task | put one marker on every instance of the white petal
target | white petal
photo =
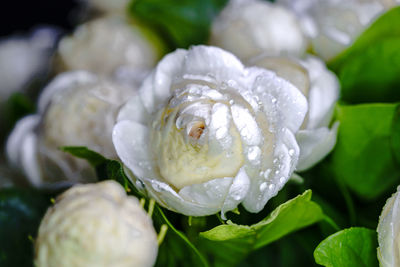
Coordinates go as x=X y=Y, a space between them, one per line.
x=131 y=141
x=211 y=193
x=156 y=88
x=265 y=185
x=213 y=61
x=315 y=145
x=29 y=159
x=23 y=127
x=282 y=100
x=134 y=110
x=166 y=196
x=324 y=93
x=63 y=81
x=388 y=230
x=237 y=191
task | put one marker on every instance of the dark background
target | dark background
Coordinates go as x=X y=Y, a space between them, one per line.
x=18 y=16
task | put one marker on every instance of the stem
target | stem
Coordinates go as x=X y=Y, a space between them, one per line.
x=161 y=234
x=142 y=202
x=151 y=207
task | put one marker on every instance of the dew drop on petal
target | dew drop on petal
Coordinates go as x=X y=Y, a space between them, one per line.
x=271 y=187
x=266 y=173
x=263 y=186
x=291 y=152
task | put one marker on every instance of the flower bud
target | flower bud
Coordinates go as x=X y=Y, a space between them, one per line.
x=96 y=225
x=388 y=232
x=103 y=45
x=204 y=133
x=250 y=28
x=75 y=109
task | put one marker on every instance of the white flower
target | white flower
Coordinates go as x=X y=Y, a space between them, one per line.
x=115 y=6
x=388 y=232
x=248 y=28
x=96 y=225
x=333 y=25
x=103 y=45
x=321 y=87
x=24 y=58
x=205 y=134
x=75 y=109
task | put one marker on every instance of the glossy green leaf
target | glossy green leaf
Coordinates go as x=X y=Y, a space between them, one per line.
x=369 y=70
x=181 y=22
x=236 y=241
x=82 y=152
x=362 y=158
x=353 y=247
x=395 y=135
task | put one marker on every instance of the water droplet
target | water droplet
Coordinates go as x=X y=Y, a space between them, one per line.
x=263 y=186
x=254 y=153
x=231 y=102
x=282 y=179
x=277 y=172
x=291 y=152
x=274 y=100
x=275 y=161
x=266 y=173
x=271 y=187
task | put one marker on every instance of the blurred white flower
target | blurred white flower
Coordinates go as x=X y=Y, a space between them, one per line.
x=205 y=134
x=321 y=87
x=248 y=28
x=96 y=225
x=333 y=25
x=25 y=58
x=107 y=6
x=103 y=45
x=75 y=109
x=388 y=232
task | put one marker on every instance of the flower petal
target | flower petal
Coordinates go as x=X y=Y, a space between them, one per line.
x=131 y=140
x=265 y=185
x=315 y=145
x=63 y=81
x=282 y=100
x=324 y=93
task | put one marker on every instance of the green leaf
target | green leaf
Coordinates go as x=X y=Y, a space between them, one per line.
x=177 y=244
x=20 y=214
x=348 y=248
x=395 y=135
x=181 y=22
x=362 y=158
x=234 y=241
x=369 y=70
x=82 y=152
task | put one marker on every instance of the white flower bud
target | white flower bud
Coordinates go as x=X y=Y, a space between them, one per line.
x=333 y=25
x=389 y=232
x=103 y=45
x=205 y=134
x=321 y=87
x=75 y=109
x=96 y=225
x=248 y=28
x=24 y=58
